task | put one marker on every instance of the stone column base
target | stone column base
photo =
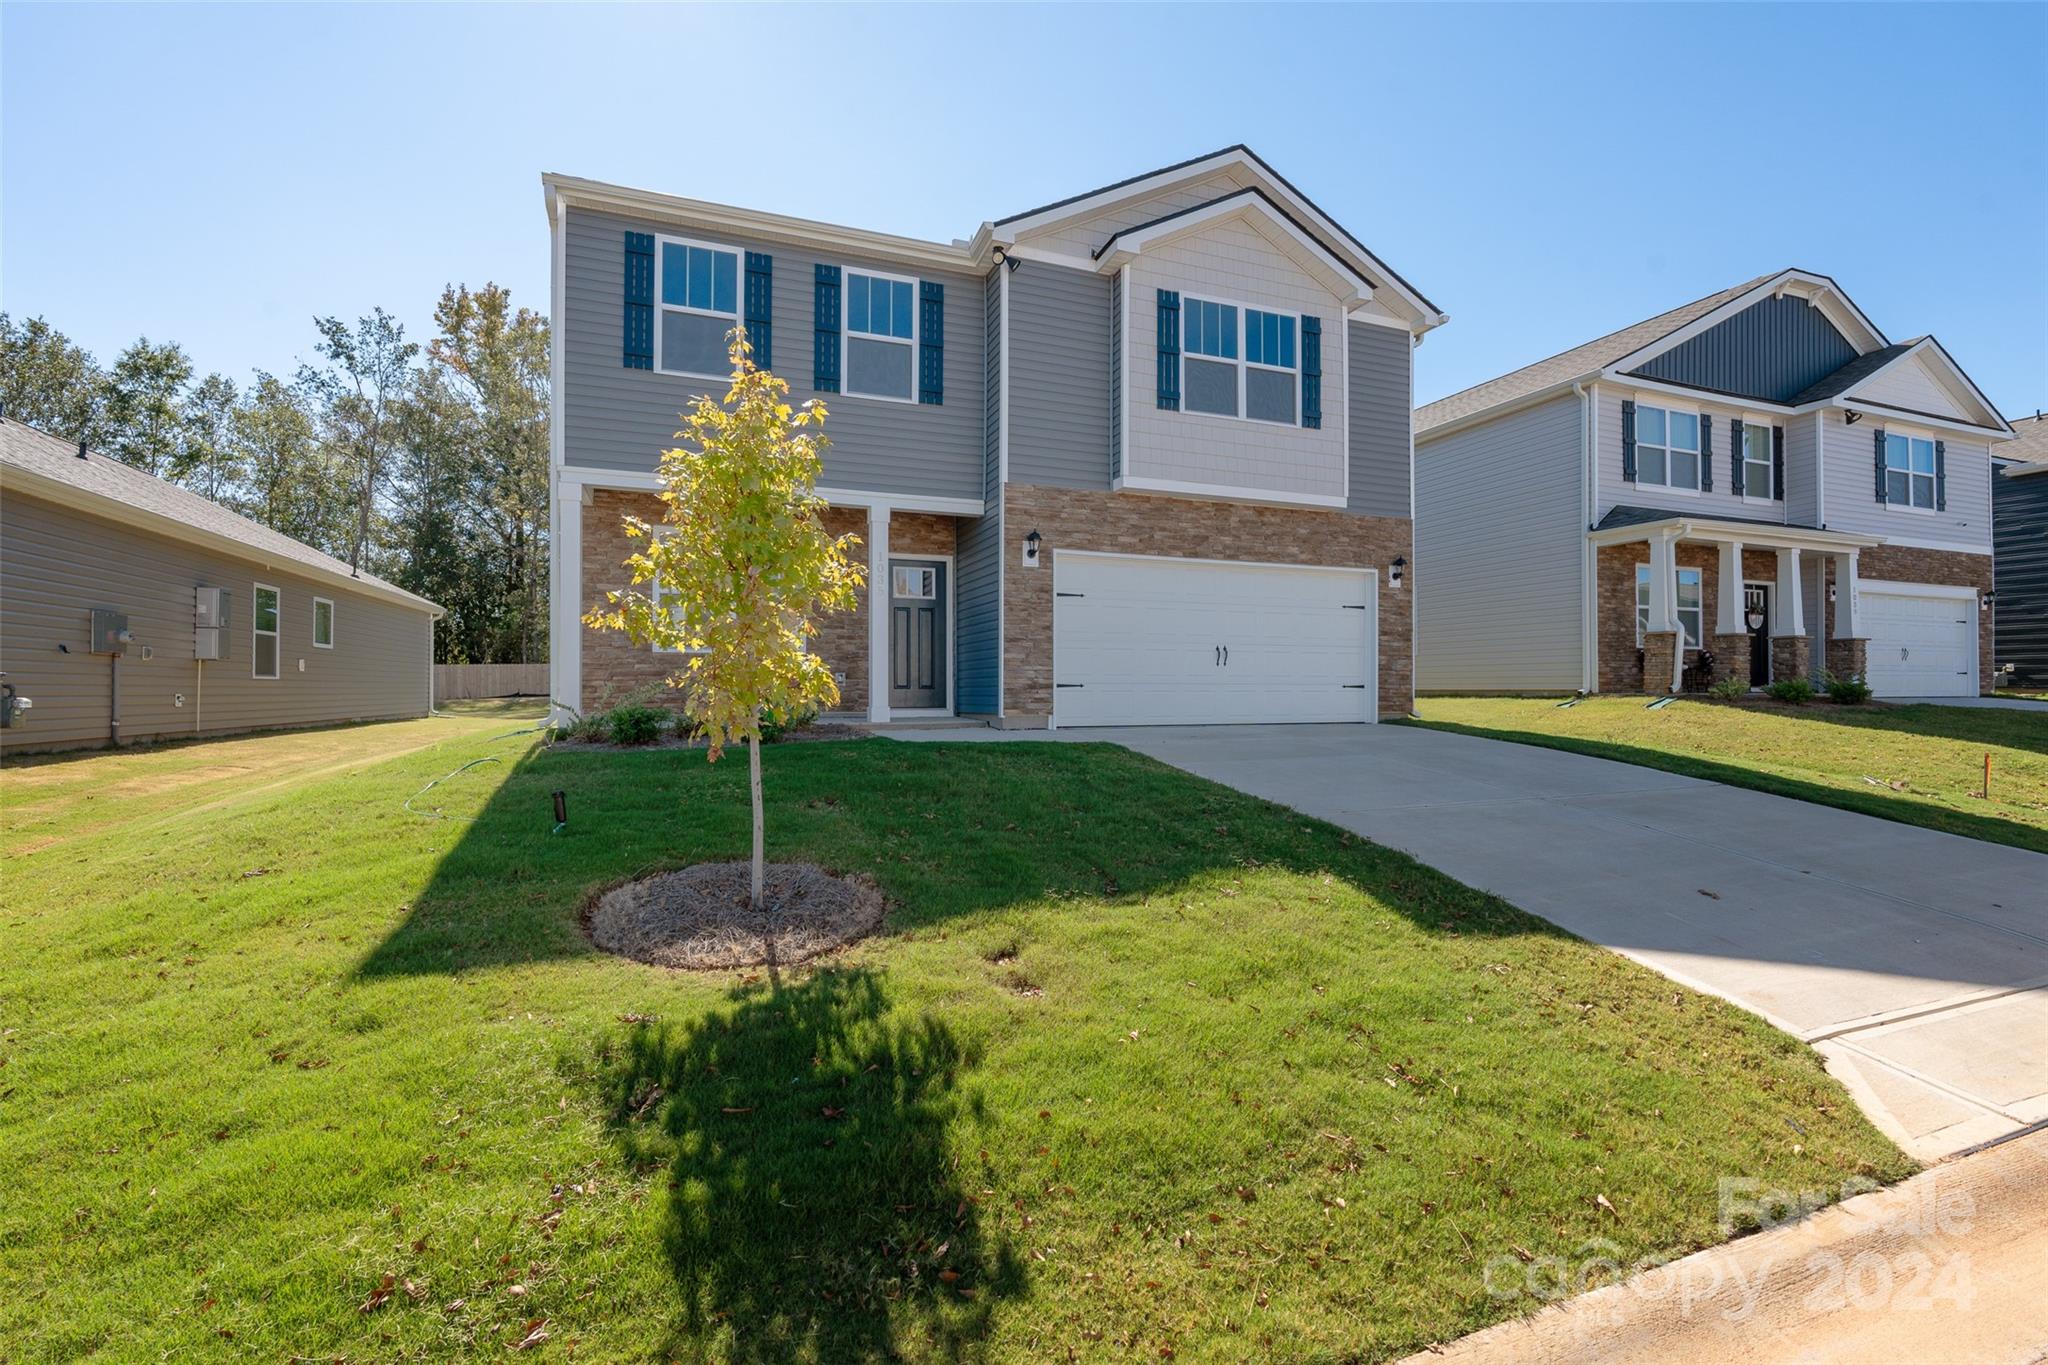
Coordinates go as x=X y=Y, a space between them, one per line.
x=1731 y=657
x=1849 y=658
x=1791 y=657
x=1659 y=649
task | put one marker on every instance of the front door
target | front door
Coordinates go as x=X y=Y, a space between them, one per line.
x=917 y=634
x=1756 y=619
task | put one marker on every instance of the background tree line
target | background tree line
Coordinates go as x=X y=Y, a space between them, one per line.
x=427 y=466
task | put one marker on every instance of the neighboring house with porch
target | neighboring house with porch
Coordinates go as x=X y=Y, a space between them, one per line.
x=1138 y=456
x=2019 y=507
x=1758 y=485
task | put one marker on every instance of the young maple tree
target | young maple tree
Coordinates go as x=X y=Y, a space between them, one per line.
x=739 y=566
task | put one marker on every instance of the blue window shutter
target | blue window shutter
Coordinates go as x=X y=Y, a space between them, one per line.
x=1706 y=453
x=1735 y=471
x=1628 y=440
x=1941 y=476
x=1877 y=438
x=760 y=308
x=639 y=320
x=931 y=342
x=1778 y=463
x=825 y=355
x=1312 y=372
x=1169 y=350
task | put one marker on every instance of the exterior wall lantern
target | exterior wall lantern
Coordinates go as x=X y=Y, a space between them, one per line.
x=1394 y=570
x=1031 y=544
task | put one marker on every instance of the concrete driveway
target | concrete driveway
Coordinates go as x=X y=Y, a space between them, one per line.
x=1916 y=962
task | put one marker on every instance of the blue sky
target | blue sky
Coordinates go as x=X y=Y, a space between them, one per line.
x=1544 y=173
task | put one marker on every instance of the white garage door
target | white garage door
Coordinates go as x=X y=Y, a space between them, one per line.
x=1920 y=646
x=1153 y=641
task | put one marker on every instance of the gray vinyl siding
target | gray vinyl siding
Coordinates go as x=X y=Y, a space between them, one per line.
x=621 y=419
x=1500 y=554
x=59 y=563
x=1059 y=337
x=1116 y=374
x=1379 y=399
x=977 y=636
x=1722 y=501
x=1802 y=466
x=1770 y=350
x=2021 y=576
x=1849 y=485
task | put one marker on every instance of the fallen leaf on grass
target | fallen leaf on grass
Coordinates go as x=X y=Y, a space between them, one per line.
x=1601 y=1200
x=378 y=1295
x=536 y=1333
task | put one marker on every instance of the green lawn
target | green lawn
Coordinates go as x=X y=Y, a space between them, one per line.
x=1140 y=1067
x=1923 y=765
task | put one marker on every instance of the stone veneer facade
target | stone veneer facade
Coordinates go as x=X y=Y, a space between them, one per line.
x=1146 y=524
x=1615 y=605
x=615 y=668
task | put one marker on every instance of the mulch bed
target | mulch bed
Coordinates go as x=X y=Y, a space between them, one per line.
x=671 y=740
x=699 y=918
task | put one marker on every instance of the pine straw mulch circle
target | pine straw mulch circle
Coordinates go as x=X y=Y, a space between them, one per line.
x=699 y=917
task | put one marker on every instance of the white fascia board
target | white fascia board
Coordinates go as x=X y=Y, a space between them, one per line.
x=1885 y=412
x=1750 y=533
x=1352 y=289
x=752 y=223
x=19 y=481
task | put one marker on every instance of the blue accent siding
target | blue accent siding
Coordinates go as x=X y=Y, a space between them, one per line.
x=1770 y=350
x=977 y=640
x=1312 y=372
x=825 y=325
x=760 y=312
x=1169 y=350
x=639 y=301
x=2019 y=515
x=931 y=342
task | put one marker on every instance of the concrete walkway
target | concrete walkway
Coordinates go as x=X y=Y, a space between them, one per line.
x=1987 y=703
x=1916 y=962
x=1950 y=1266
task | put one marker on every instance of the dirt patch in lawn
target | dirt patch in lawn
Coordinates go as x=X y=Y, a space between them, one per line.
x=700 y=919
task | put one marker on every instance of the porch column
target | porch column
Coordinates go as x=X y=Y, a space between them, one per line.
x=1846 y=612
x=1728 y=604
x=1791 y=648
x=1663 y=584
x=878 y=613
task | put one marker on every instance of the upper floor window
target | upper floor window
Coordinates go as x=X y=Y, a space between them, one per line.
x=1239 y=361
x=1756 y=460
x=698 y=289
x=881 y=336
x=1908 y=471
x=1667 y=447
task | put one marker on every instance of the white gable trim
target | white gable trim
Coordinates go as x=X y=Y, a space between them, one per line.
x=1818 y=290
x=1352 y=289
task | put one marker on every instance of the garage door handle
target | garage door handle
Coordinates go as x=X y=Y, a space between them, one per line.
x=1226 y=656
x=1070 y=684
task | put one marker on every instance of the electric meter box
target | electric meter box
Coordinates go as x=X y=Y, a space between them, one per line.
x=209 y=623
x=109 y=631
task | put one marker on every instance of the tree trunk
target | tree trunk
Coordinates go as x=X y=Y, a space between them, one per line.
x=754 y=782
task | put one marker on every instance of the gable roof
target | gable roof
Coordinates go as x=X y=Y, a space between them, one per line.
x=1577 y=363
x=1252 y=202
x=1299 y=208
x=2032 y=443
x=33 y=461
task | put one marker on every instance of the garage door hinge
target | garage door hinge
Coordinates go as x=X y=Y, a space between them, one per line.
x=1070 y=594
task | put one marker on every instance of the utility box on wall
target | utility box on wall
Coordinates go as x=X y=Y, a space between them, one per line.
x=109 y=631
x=209 y=623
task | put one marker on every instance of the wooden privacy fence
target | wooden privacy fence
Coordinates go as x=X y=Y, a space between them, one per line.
x=458 y=682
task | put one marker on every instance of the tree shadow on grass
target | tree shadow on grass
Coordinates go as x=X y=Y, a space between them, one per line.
x=2013 y=729
x=814 y=1209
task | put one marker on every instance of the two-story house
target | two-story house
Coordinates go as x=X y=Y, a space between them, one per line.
x=1761 y=476
x=1141 y=456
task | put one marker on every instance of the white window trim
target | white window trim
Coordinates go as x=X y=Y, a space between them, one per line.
x=1243 y=364
x=739 y=289
x=847 y=334
x=1933 y=477
x=319 y=602
x=1667 y=408
x=277 y=658
x=1750 y=421
x=1677 y=612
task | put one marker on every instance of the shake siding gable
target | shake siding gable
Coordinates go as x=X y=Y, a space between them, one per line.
x=58 y=563
x=1082 y=237
x=1907 y=384
x=1499 y=553
x=620 y=419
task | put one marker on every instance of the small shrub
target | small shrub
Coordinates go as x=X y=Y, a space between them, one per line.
x=582 y=729
x=1847 y=691
x=776 y=725
x=1791 y=691
x=633 y=724
x=1729 y=689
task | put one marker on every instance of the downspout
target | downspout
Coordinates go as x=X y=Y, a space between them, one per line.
x=1588 y=562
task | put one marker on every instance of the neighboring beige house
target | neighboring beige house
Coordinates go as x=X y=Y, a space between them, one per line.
x=132 y=609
